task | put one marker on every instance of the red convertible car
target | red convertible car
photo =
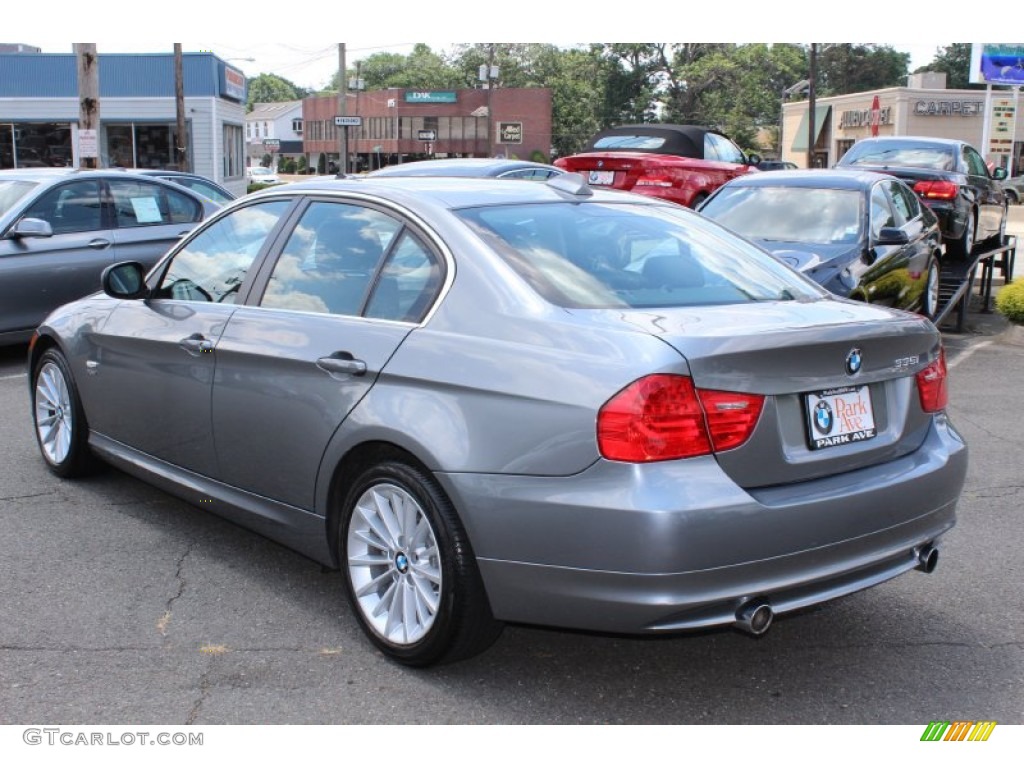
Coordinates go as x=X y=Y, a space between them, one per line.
x=681 y=163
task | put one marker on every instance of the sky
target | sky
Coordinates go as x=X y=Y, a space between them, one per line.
x=296 y=45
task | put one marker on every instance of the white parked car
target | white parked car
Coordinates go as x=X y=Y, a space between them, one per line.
x=260 y=175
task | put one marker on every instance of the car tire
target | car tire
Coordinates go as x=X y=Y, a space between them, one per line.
x=60 y=426
x=410 y=573
x=961 y=247
x=930 y=298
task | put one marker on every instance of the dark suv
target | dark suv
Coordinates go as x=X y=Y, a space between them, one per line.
x=950 y=177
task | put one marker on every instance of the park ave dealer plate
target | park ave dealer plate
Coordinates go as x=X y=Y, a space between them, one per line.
x=839 y=417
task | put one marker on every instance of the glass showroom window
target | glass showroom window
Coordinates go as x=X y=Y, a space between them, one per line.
x=35 y=145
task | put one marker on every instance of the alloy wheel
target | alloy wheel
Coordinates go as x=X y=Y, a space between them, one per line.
x=53 y=413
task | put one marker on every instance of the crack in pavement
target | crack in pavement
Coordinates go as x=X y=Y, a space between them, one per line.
x=204 y=689
x=164 y=621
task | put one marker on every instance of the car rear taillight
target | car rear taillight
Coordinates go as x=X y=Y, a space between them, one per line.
x=931 y=385
x=664 y=416
x=937 y=190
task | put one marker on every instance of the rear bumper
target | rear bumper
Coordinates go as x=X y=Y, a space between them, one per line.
x=676 y=545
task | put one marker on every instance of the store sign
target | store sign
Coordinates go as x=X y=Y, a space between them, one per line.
x=430 y=97
x=426 y=135
x=997 y=63
x=1004 y=126
x=272 y=145
x=234 y=83
x=510 y=133
x=963 y=108
x=861 y=118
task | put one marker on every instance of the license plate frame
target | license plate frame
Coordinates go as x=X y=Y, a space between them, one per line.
x=601 y=178
x=839 y=416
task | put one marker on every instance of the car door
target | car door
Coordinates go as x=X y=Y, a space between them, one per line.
x=988 y=193
x=149 y=218
x=154 y=359
x=320 y=328
x=887 y=279
x=41 y=273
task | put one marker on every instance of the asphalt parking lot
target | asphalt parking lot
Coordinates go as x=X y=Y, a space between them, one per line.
x=121 y=604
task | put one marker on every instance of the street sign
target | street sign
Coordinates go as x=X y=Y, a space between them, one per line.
x=347 y=120
x=426 y=135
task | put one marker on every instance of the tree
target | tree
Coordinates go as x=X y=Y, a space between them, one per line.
x=422 y=69
x=269 y=88
x=955 y=61
x=857 y=67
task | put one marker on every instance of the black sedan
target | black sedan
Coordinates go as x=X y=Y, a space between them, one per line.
x=950 y=177
x=859 y=234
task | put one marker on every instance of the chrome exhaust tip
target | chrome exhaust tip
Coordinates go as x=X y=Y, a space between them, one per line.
x=927 y=558
x=754 y=617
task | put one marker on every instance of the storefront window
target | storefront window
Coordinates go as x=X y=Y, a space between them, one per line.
x=140 y=145
x=234 y=152
x=35 y=145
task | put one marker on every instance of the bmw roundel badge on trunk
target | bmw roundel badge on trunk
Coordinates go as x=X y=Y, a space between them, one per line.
x=854 y=362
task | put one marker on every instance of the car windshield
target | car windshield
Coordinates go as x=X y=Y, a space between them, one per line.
x=900 y=155
x=600 y=255
x=789 y=214
x=12 y=191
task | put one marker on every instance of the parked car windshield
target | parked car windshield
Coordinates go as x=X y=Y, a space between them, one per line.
x=614 y=255
x=901 y=155
x=11 y=192
x=789 y=214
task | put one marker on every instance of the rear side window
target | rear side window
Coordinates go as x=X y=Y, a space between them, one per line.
x=601 y=255
x=141 y=204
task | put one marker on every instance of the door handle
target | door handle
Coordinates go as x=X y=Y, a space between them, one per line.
x=196 y=344
x=341 y=362
x=99 y=243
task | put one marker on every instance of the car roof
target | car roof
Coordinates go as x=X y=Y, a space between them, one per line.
x=818 y=178
x=686 y=140
x=914 y=141
x=421 y=192
x=467 y=166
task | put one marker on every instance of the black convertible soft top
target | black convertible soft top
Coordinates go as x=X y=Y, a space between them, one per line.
x=683 y=140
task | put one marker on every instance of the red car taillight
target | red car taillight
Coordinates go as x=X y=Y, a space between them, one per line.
x=663 y=417
x=931 y=385
x=937 y=190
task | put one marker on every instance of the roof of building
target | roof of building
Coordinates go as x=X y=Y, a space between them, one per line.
x=271 y=110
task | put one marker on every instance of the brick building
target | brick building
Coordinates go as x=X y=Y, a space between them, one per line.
x=399 y=125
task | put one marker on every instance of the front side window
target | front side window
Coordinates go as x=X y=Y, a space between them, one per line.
x=214 y=264
x=141 y=204
x=74 y=207
x=975 y=164
x=724 y=150
x=881 y=212
x=601 y=255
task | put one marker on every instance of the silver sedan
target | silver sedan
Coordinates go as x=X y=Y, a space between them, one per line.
x=487 y=402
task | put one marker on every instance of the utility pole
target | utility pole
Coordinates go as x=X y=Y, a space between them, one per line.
x=179 y=102
x=811 y=116
x=342 y=95
x=490 y=113
x=88 y=65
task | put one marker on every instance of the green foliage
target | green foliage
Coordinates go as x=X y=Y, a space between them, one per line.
x=1010 y=301
x=857 y=67
x=269 y=88
x=955 y=61
x=290 y=166
x=300 y=165
x=321 y=165
x=538 y=157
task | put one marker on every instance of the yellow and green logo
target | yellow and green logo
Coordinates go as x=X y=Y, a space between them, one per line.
x=958 y=730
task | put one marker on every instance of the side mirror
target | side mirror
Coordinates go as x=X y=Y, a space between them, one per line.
x=126 y=280
x=999 y=174
x=31 y=228
x=892 y=236
x=753 y=159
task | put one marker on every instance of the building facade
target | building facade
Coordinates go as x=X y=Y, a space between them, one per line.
x=924 y=108
x=39 y=113
x=275 y=129
x=400 y=124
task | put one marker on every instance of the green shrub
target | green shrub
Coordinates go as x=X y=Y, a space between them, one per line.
x=1010 y=301
x=539 y=157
